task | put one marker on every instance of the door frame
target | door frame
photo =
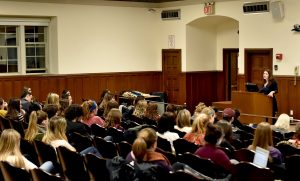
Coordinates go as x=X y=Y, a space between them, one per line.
x=227 y=70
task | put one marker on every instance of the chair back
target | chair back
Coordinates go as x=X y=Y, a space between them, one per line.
x=4 y=123
x=227 y=151
x=278 y=134
x=27 y=149
x=171 y=157
x=79 y=141
x=17 y=125
x=164 y=144
x=287 y=150
x=106 y=148
x=98 y=130
x=247 y=171
x=292 y=164
x=203 y=165
x=40 y=175
x=124 y=148
x=237 y=143
x=117 y=135
x=185 y=175
x=72 y=164
x=11 y=173
x=45 y=152
x=244 y=154
x=181 y=146
x=96 y=167
x=289 y=135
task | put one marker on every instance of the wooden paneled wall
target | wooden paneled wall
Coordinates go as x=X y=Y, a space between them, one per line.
x=206 y=86
x=81 y=86
x=195 y=87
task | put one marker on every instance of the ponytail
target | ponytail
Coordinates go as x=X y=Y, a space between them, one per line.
x=139 y=149
x=32 y=130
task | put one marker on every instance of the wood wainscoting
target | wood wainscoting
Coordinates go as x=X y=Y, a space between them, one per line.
x=205 y=86
x=195 y=87
x=81 y=86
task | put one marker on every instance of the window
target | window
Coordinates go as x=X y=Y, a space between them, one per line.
x=35 y=49
x=23 y=47
x=8 y=49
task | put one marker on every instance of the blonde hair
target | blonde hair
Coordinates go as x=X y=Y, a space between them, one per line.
x=200 y=123
x=283 y=122
x=183 y=118
x=199 y=107
x=140 y=108
x=113 y=118
x=36 y=118
x=10 y=145
x=88 y=108
x=56 y=130
x=145 y=140
x=52 y=98
x=262 y=136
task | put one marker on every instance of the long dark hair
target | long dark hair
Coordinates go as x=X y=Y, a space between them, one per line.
x=271 y=78
x=13 y=109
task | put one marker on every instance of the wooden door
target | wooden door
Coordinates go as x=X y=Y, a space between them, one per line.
x=230 y=67
x=256 y=61
x=171 y=67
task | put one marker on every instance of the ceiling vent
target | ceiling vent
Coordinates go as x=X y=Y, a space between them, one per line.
x=256 y=7
x=170 y=14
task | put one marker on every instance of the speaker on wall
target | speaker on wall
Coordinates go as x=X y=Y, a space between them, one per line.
x=277 y=10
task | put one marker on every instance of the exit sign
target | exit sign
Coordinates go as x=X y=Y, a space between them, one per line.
x=209 y=8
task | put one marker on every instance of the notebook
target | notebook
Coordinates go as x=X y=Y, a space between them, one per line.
x=261 y=157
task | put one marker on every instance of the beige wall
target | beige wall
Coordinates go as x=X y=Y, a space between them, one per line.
x=87 y=39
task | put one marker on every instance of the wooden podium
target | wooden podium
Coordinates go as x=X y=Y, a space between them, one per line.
x=257 y=105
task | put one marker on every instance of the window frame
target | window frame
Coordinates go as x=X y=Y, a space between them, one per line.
x=21 y=47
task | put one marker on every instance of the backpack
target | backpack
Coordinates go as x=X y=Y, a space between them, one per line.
x=122 y=170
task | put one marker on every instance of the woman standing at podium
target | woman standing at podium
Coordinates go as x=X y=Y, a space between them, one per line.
x=270 y=88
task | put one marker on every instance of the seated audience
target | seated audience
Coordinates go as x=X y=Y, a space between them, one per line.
x=139 y=111
x=14 y=111
x=282 y=124
x=51 y=110
x=11 y=153
x=197 y=133
x=107 y=97
x=210 y=112
x=26 y=100
x=183 y=121
x=113 y=119
x=111 y=104
x=263 y=138
x=198 y=109
x=52 y=98
x=236 y=120
x=3 y=107
x=228 y=115
x=151 y=113
x=213 y=135
x=227 y=134
x=56 y=137
x=143 y=149
x=295 y=141
x=38 y=122
x=66 y=95
x=164 y=127
x=90 y=117
x=73 y=115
